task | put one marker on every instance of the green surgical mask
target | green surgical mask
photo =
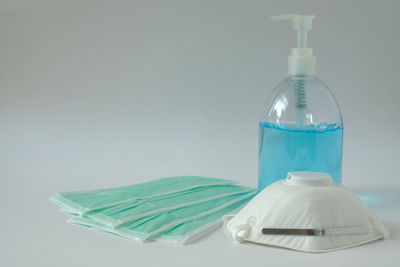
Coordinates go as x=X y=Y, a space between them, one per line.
x=148 y=228
x=193 y=230
x=82 y=202
x=123 y=214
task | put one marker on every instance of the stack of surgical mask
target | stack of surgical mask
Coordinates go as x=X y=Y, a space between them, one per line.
x=175 y=210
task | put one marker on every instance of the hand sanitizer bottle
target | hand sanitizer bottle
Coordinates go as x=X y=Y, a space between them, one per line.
x=301 y=129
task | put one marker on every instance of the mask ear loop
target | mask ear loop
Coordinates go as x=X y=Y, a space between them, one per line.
x=241 y=232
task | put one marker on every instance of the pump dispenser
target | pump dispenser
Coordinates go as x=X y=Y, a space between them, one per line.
x=301 y=59
x=301 y=128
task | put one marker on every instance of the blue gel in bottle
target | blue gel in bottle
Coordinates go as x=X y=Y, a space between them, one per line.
x=284 y=149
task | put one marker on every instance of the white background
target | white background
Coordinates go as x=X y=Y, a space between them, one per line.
x=97 y=94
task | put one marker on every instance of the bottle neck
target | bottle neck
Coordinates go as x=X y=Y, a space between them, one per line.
x=301 y=62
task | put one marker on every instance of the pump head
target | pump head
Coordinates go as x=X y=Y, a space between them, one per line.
x=301 y=60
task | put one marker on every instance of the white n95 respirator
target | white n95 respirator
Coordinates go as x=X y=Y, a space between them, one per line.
x=308 y=212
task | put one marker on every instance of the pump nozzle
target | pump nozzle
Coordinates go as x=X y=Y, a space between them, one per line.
x=301 y=60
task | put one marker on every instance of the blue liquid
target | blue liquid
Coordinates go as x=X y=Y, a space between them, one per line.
x=286 y=149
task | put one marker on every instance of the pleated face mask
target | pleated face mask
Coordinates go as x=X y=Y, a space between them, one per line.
x=120 y=215
x=82 y=202
x=306 y=212
x=177 y=225
x=190 y=231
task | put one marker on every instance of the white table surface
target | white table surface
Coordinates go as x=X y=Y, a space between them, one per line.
x=35 y=233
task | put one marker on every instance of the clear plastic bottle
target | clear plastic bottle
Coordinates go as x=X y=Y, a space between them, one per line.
x=301 y=128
